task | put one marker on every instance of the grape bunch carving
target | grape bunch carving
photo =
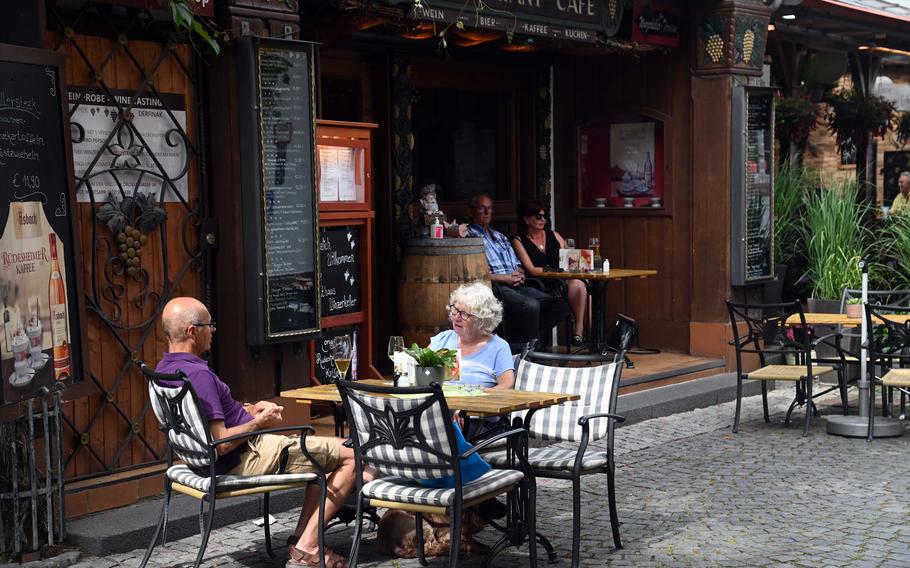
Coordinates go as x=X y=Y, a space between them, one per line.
x=130 y=220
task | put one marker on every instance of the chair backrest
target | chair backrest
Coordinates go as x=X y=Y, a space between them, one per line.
x=888 y=339
x=598 y=387
x=877 y=297
x=409 y=437
x=180 y=415
x=762 y=329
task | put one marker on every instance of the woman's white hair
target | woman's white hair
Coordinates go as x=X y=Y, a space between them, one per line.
x=479 y=300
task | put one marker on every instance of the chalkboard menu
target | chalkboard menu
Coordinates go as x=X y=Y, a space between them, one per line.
x=41 y=338
x=339 y=259
x=753 y=185
x=325 y=365
x=278 y=188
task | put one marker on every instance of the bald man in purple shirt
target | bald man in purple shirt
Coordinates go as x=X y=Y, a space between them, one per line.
x=189 y=329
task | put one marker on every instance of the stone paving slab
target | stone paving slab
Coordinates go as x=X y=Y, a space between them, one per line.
x=690 y=493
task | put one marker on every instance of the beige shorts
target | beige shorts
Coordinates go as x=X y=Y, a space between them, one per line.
x=263 y=455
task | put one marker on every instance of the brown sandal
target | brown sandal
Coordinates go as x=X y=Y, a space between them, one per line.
x=300 y=558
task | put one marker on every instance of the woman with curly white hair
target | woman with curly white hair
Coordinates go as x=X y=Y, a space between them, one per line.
x=485 y=357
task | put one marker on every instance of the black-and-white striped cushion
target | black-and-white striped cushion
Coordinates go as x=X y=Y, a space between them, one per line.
x=560 y=422
x=403 y=490
x=428 y=426
x=186 y=448
x=185 y=476
x=555 y=459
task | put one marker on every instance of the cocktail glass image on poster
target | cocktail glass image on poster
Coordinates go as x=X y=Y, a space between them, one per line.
x=35 y=342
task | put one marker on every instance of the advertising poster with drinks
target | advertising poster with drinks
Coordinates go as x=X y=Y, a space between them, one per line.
x=40 y=333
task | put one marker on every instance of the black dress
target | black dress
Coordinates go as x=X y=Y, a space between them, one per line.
x=548 y=258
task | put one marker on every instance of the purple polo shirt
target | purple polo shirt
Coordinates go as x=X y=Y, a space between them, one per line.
x=214 y=398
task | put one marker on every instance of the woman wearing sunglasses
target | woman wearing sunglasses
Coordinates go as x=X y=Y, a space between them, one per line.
x=537 y=247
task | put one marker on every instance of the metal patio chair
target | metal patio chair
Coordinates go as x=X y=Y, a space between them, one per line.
x=762 y=331
x=412 y=439
x=590 y=419
x=188 y=439
x=889 y=348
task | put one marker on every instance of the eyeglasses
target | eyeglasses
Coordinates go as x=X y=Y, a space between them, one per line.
x=211 y=325
x=456 y=313
x=540 y=216
x=483 y=207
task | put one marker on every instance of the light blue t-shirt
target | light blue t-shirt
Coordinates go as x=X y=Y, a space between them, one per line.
x=483 y=366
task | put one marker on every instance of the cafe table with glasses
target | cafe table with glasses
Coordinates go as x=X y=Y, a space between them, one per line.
x=474 y=402
x=596 y=282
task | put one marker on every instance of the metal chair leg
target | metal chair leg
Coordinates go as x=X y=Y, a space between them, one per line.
x=265 y=525
x=764 y=401
x=842 y=384
x=552 y=556
x=809 y=407
x=739 y=402
x=531 y=513
x=421 y=556
x=614 y=515
x=162 y=520
x=358 y=530
x=576 y=522
x=455 y=546
x=206 y=533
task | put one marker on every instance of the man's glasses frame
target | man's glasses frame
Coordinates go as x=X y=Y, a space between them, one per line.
x=212 y=325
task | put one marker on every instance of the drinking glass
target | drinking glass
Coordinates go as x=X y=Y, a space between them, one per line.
x=570 y=243
x=594 y=244
x=341 y=354
x=396 y=345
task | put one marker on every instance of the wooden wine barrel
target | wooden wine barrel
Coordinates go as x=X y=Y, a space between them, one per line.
x=431 y=269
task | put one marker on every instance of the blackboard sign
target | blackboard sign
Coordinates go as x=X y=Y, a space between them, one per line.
x=753 y=185
x=339 y=258
x=278 y=187
x=41 y=337
x=895 y=163
x=325 y=365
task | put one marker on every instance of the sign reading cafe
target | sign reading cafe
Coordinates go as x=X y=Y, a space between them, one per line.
x=576 y=20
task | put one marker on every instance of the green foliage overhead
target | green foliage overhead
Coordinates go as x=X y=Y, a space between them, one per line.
x=185 y=19
x=854 y=115
x=427 y=357
x=794 y=119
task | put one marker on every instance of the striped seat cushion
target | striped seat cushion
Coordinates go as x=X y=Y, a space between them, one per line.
x=403 y=490
x=595 y=386
x=183 y=475
x=552 y=459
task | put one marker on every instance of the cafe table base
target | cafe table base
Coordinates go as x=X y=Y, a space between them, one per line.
x=858 y=427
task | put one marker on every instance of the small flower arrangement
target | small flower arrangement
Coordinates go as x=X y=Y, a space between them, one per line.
x=428 y=357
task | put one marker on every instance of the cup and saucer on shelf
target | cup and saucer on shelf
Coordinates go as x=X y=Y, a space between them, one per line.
x=600 y=202
x=629 y=201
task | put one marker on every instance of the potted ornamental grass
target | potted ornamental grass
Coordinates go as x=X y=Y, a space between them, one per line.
x=431 y=364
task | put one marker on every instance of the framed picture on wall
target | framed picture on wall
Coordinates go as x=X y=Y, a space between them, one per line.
x=621 y=163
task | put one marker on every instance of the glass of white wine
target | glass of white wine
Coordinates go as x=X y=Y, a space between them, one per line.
x=396 y=345
x=341 y=354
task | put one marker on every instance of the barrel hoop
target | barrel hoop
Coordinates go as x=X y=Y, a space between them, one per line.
x=443 y=251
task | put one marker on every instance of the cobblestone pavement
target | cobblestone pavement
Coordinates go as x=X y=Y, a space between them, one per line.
x=690 y=493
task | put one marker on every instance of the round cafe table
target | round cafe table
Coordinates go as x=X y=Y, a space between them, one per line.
x=596 y=282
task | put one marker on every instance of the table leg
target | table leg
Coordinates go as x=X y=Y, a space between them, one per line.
x=597 y=292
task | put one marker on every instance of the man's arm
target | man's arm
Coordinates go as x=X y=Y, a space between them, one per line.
x=267 y=418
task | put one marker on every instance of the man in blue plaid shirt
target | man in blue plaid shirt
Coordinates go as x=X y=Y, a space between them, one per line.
x=530 y=313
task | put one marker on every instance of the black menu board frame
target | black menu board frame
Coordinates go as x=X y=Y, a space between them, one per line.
x=340 y=256
x=278 y=189
x=36 y=179
x=752 y=173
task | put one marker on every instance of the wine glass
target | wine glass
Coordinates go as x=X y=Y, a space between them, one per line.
x=396 y=345
x=341 y=354
x=594 y=244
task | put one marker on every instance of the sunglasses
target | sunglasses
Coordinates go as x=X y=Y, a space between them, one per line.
x=540 y=216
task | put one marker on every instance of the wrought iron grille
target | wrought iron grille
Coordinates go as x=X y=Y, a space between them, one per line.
x=144 y=174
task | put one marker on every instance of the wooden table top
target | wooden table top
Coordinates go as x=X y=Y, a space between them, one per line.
x=613 y=274
x=841 y=319
x=497 y=401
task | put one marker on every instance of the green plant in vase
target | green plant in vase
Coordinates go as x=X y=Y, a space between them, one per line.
x=854 y=307
x=431 y=363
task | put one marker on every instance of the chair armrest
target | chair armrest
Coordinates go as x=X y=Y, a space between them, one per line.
x=584 y=419
x=491 y=439
x=824 y=339
x=303 y=433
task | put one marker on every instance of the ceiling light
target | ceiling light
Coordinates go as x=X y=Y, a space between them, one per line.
x=771 y=27
x=788 y=17
x=888 y=50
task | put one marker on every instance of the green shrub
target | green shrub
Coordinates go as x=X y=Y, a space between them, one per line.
x=894 y=241
x=791 y=186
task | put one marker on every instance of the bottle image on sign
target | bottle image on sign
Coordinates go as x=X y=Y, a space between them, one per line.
x=648 y=172
x=59 y=326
